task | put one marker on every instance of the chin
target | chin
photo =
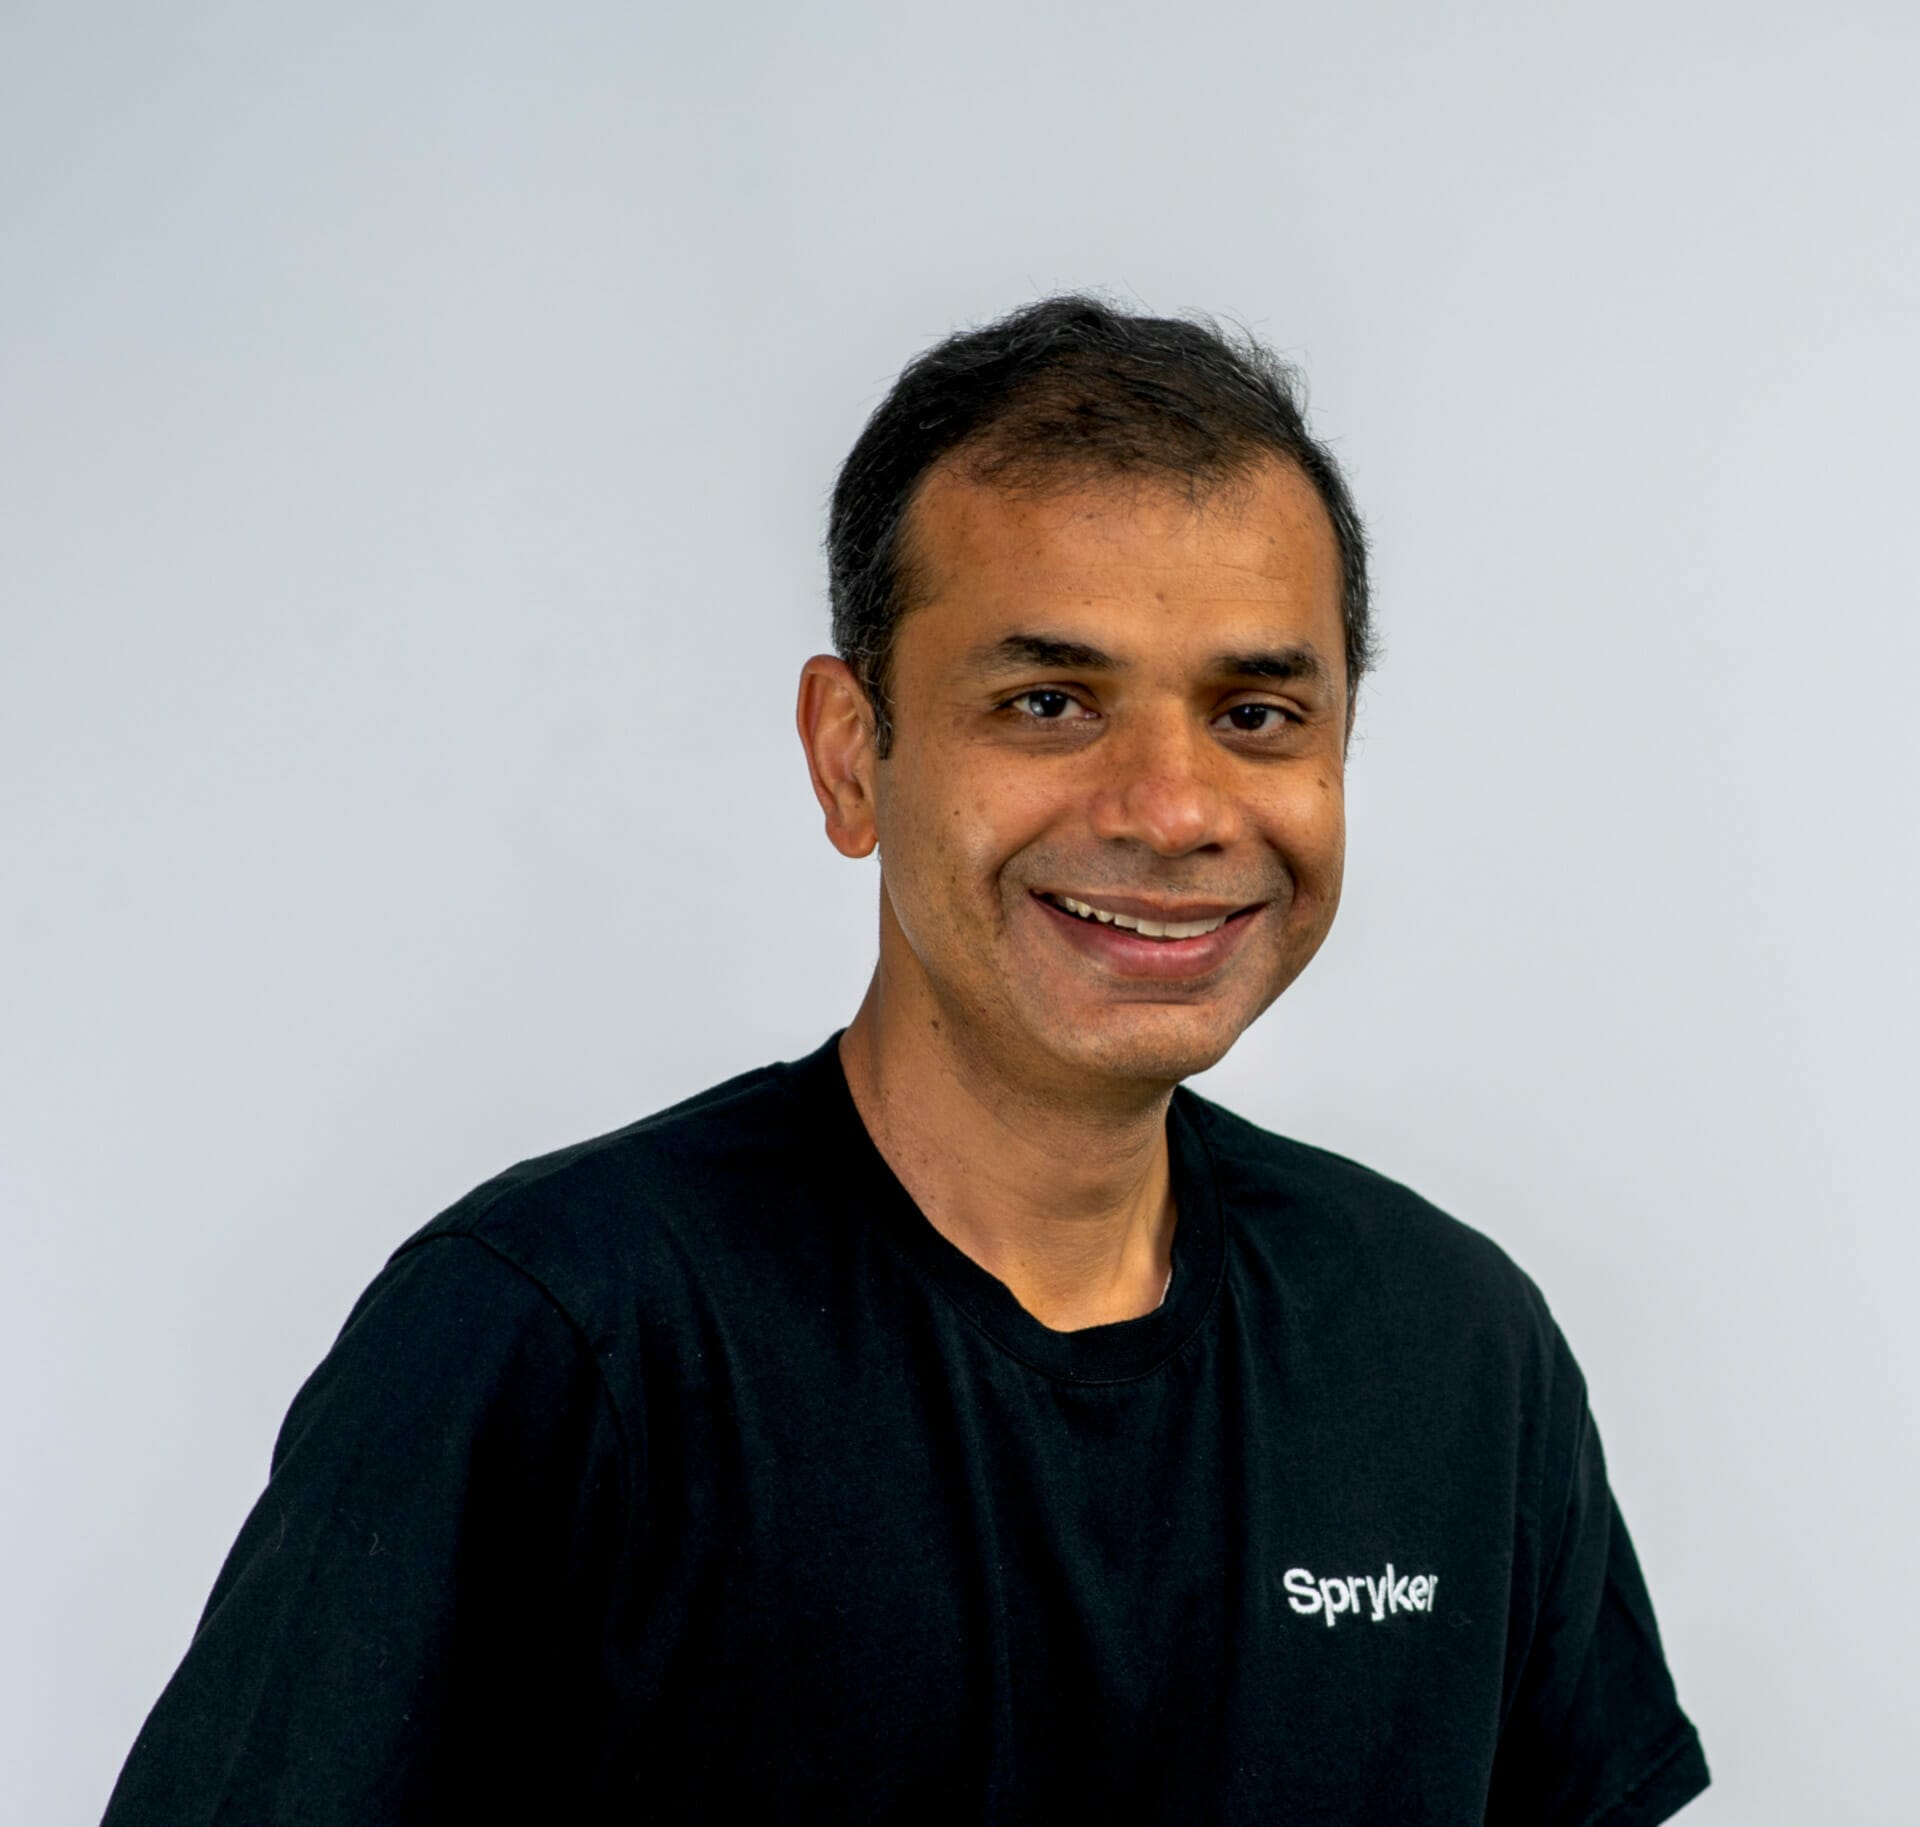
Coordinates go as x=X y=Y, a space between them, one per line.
x=1148 y=1046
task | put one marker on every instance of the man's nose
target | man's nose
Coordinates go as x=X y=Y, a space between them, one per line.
x=1163 y=788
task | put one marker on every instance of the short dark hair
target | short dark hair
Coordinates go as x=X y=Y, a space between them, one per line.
x=1059 y=391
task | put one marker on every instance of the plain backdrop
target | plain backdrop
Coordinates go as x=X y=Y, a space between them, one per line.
x=415 y=425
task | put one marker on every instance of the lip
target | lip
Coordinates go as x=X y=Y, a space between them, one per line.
x=1129 y=954
x=1169 y=912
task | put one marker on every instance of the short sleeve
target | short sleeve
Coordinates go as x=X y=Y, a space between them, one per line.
x=1593 y=1735
x=404 y=1631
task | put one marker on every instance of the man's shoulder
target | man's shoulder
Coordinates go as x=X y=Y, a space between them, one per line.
x=589 y=1220
x=723 y=1122
x=1336 y=1228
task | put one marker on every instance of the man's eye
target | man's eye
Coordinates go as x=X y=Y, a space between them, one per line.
x=1257 y=719
x=1047 y=706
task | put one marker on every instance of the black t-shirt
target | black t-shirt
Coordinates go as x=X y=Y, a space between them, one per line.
x=690 y=1472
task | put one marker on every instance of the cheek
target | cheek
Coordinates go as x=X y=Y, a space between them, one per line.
x=940 y=857
x=1336 y=833
x=1310 y=832
x=971 y=826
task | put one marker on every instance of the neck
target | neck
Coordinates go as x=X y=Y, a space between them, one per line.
x=1066 y=1201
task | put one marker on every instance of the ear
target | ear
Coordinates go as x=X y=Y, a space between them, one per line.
x=835 y=720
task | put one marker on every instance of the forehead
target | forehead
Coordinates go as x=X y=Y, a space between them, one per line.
x=1255 y=550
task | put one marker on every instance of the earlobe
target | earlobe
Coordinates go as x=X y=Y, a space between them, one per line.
x=835 y=721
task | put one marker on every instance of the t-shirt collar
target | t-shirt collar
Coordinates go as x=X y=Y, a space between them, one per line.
x=1097 y=1354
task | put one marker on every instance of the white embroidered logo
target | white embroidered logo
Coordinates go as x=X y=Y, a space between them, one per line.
x=1384 y=1596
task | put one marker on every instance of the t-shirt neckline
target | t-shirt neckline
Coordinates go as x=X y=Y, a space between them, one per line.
x=1096 y=1354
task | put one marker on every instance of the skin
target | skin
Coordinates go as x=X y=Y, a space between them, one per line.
x=1118 y=694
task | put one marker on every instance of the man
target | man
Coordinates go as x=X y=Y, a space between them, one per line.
x=965 y=1423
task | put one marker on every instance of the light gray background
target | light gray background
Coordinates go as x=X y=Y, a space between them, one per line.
x=414 y=433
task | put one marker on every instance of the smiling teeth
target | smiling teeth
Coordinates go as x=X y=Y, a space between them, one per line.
x=1152 y=929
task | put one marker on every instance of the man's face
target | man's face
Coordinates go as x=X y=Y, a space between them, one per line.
x=1113 y=705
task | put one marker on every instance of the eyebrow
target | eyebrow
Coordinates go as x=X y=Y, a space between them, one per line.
x=1298 y=661
x=1039 y=650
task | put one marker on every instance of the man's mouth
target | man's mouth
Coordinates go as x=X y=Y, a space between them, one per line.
x=1146 y=927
